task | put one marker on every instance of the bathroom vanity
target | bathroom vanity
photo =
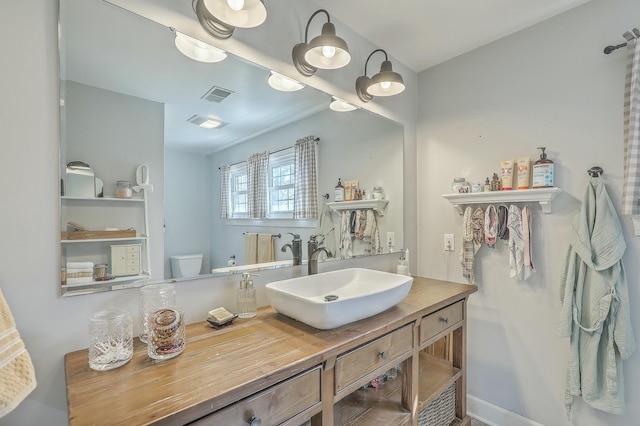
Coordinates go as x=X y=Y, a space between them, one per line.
x=280 y=371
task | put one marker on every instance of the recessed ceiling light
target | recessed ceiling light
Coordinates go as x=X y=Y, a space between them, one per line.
x=206 y=122
x=283 y=83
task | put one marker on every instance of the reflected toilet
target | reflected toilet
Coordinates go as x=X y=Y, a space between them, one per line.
x=188 y=265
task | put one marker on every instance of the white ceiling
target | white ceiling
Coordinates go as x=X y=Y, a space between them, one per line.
x=424 y=33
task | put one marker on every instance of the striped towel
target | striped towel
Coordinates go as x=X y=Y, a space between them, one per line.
x=17 y=375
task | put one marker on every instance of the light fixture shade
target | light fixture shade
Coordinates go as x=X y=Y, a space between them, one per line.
x=327 y=51
x=198 y=50
x=251 y=14
x=283 y=83
x=386 y=82
x=339 y=105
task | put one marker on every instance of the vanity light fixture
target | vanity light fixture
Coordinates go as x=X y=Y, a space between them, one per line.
x=339 y=105
x=283 y=83
x=198 y=50
x=326 y=51
x=221 y=17
x=385 y=83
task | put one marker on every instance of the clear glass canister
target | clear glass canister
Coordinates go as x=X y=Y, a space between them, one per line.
x=152 y=298
x=460 y=185
x=123 y=189
x=166 y=332
x=111 y=337
x=378 y=193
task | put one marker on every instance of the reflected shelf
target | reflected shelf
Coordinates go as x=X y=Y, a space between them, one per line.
x=378 y=206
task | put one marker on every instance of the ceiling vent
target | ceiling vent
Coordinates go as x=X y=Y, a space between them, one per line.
x=216 y=94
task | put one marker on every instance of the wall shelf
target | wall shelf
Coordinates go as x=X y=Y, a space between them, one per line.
x=542 y=196
x=378 y=206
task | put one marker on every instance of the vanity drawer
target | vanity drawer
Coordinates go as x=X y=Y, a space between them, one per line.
x=353 y=365
x=273 y=406
x=440 y=320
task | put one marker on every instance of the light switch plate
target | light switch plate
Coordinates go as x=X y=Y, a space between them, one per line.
x=449 y=242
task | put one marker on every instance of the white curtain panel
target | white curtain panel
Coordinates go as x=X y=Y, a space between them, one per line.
x=257 y=184
x=305 y=204
x=631 y=187
x=224 y=191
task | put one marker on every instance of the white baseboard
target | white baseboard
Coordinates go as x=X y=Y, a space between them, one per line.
x=495 y=416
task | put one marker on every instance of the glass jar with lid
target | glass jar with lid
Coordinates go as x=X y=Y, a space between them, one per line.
x=378 y=193
x=123 y=189
x=460 y=186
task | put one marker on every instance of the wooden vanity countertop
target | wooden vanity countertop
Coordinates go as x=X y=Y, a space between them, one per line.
x=221 y=366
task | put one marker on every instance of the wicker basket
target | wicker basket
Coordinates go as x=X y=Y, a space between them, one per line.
x=441 y=411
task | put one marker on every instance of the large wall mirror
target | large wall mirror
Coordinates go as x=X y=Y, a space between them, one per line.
x=130 y=98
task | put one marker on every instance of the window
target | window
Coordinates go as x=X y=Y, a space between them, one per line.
x=281 y=184
x=238 y=186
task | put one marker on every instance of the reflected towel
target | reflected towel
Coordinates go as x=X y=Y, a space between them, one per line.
x=17 y=375
x=250 y=248
x=80 y=265
x=266 y=252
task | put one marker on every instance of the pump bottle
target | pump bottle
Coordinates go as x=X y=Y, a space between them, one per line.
x=543 y=171
x=247 y=303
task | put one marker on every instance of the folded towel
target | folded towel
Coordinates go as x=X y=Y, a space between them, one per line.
x=17 y=375
x=266 y=252
x=79 y=280
x=79 y=265
x=79 y=270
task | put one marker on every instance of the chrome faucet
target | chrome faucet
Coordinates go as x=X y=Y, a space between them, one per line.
x=313 y=252
x=295 y=247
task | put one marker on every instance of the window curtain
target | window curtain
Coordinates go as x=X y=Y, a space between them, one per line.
x=224 y=191
x=631 y=186
x=257 y=184
x=305 y=205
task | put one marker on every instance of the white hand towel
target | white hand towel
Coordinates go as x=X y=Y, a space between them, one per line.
x=266 y=252
x=17 y=375
x=250 y=248
x=80 y=265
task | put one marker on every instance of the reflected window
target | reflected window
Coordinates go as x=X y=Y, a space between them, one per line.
x=239 y=202
x=281 y=184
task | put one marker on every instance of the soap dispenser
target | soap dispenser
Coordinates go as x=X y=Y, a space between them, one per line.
x=247 y=303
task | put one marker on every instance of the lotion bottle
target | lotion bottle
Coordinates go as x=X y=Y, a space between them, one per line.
x=247 y=303
x=339 y=192
x=543 y=171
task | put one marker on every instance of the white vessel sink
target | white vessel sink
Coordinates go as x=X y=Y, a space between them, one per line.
x=332 y=299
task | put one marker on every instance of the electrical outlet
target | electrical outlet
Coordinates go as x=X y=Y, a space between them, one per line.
x=391 y=239
x=449 y=244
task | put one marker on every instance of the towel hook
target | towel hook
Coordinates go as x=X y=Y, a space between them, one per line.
x=595 y=171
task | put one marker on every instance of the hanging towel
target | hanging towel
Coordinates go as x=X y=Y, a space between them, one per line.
x=327 y=228
x=491 y=226
x=472 y=238
x=375 y=236
x=503 y=217
x=345 y=234
x=250 y=248
x=17 y=375
x=516 y=241
x=266 y=252
x=527 y=255
x=595 y=310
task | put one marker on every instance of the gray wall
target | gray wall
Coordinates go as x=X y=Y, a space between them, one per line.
x=551 y=86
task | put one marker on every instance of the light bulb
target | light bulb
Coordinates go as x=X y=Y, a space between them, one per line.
x=200 y=52
x=328 y=51
x=236 y=4
x=385 y=84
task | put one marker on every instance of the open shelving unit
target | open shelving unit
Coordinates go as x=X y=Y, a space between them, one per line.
x=542 y=196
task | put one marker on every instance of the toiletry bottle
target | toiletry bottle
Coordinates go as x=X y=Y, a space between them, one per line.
x=247 y=303
x=339 y=192
x=348 y=194
x=487 y=185
x=402 y=267
x=523 y=165
x=543 y=171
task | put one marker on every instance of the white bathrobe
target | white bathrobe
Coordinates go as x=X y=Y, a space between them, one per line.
x=595 y=305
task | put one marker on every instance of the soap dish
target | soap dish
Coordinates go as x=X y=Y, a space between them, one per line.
x=225 y=322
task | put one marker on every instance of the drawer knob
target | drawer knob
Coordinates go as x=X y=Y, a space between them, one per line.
x=382 y=354
x=444 y=320
x=255 y=421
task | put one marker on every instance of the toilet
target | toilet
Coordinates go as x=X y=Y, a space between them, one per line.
x=187 y=265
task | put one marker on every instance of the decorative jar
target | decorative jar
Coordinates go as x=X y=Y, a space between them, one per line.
x=123 y=189
x=166 y=337
x=152 y=298
x=460 y=186
x=111 y=344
